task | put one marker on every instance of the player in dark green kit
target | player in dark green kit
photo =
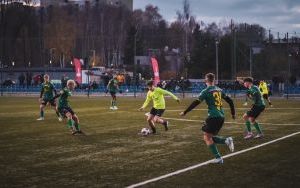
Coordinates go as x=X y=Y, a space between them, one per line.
x=112 y=88
x=250 y=116
x=65 y=110
x=47 y=97
x=213 y=96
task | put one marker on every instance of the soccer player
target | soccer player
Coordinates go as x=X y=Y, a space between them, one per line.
x=65 y=110
x=263 y=87
x=213 y=96
x=258 y=107
x=47 y=97
x=156 y=95
x=112 y=88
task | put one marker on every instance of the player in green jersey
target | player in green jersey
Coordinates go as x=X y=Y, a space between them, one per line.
x=258 y=107
x=156 y=95
x=47 y=97
x=213 y=96
x=112 y=88
x=65 y=109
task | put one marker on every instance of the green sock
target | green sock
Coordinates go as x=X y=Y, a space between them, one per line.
x=248 y=126
x=42 y=113
x=112 y=103
x=257 y=127
x=219 y=139
x=70 y=123
x=57 y=113
x=115 y=103
x=213 y=148
x=77 y=126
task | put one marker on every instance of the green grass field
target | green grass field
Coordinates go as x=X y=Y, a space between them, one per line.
x=112 y=154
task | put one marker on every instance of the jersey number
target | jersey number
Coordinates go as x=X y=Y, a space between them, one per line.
x=218 y=99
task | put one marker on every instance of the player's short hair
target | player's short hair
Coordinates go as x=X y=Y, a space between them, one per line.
x=150 y=83
x=46 y=75
x=248 y=79
x=210 y=77
x=69 y=82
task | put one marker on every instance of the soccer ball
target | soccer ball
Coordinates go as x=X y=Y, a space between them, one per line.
x=145 y=131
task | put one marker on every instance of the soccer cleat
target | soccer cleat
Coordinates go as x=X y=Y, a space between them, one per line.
x=40 y=119
x=229 y=143
x=115 y=108
x=60 y=119
x=112 y=108
x=249 y=135
x=259 y=135
x=166 y=125
x=271 y=105
x=218 y=161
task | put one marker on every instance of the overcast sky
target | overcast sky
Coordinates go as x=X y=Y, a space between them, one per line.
x=278 y=15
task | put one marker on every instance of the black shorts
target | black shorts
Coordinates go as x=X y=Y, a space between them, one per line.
x=64 y=110
x=213 y=125
x=265 y=96
x=112 y=93
x=255 y=111
x=157 y=112
x=51 y=102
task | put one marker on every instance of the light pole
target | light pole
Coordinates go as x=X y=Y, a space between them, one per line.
x=134 y=59
x=217 y=61
x=250 y=61
x=289 y=75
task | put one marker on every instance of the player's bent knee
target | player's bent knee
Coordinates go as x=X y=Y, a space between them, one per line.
x=252 y=119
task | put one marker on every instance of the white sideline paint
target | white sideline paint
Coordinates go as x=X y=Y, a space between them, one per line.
x=269 y=108
x=232 y=122
x=208 y=162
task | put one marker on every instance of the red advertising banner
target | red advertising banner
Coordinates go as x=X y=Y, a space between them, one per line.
x=155 y=70
x=78 y=76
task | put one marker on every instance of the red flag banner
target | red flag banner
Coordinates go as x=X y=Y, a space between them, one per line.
x=78 y=76
x=155 y=70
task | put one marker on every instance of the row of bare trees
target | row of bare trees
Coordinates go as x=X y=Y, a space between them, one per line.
x=105 y=35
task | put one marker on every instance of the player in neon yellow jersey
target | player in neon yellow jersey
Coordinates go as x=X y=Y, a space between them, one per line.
x=156 y=95
x=263 y=87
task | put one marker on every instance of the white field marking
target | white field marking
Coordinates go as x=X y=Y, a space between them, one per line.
x=232 y=122
x=205 y=109
x=208 y=162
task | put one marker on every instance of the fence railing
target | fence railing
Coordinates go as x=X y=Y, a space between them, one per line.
x=126 y=89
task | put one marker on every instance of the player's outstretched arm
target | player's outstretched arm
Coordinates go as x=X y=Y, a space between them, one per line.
x=165 y=92
x=147 y=101
x=191 y=107
x=231 y=104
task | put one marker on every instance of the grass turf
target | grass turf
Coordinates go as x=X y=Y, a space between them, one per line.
x=112 y=154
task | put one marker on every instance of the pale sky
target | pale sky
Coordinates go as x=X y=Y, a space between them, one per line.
x=278 y=15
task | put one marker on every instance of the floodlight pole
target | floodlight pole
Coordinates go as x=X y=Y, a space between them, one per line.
x=217 y=62
x=134 y=59
x=250 y=61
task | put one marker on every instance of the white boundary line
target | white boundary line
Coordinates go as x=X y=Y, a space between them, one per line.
x=208 y=162
x=205 y=109
x=231 y=122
